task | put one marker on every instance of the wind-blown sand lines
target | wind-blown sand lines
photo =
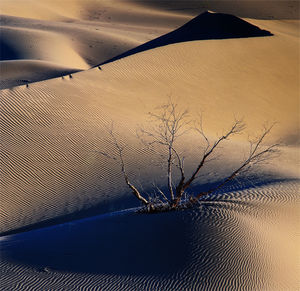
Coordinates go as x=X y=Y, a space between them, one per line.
x=203 y=27
x=243 y=237
x=60 y=124
x=226 y=248
x=50 y=44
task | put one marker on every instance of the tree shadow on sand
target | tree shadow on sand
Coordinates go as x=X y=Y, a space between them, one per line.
x=130 y=243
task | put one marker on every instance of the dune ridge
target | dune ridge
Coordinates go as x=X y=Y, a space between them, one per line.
x=77 y=34
x=243 y=237
x=203 y=27
x=60 y=133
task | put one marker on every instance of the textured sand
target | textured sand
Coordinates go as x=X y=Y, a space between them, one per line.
x=75 y=34
x=79 y=34
x=244 y=240
x=22 y=72
x=52 y=130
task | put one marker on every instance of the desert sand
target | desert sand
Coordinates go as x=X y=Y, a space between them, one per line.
x=56 y=105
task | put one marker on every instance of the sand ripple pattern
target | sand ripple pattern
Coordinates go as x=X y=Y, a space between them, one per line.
x=49 y=157
x=228 y=243
x=51 y=132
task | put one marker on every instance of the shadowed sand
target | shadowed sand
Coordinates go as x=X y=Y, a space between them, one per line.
x=74 y=34
x=179 y=250
x=52 y=132
x=203 y=27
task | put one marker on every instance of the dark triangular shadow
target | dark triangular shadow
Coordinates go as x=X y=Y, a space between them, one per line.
x=205 y=26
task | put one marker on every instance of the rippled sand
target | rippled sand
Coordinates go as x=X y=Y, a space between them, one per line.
x=51 y=132
x=244 y=240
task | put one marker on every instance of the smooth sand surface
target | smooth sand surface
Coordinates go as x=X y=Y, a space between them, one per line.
x=52 y=130
x=258 y=9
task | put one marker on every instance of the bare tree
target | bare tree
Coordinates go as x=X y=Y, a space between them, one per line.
x=119 y=148
x=170 y=123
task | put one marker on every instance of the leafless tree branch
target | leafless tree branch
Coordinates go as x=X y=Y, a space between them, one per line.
x=257 y=154
x=170 y=123
x=120 y=150
x=236 y=128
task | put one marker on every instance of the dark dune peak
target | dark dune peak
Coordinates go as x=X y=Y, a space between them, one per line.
x=210 y=25
x=205 y=26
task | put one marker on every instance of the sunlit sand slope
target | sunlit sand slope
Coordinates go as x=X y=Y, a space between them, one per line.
x=76 y=34
x=83 y=33
x=46 y=10
x=51 y=132
x=95 y=10
x=205 y=26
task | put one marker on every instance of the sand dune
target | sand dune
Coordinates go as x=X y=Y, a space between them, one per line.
x=231 y=240
x=203 y=27
x=260 y=9
x=94 y=31
x=34 y=44
x=243 y=237
x=22 y=72
x=60 y=132
x=77 y=34
x=115 y=12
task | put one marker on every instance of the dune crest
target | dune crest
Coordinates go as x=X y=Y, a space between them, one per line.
x=76 y=34
x=208 y=25
x=60 y=124
x=22 y=72
x=67 y=218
